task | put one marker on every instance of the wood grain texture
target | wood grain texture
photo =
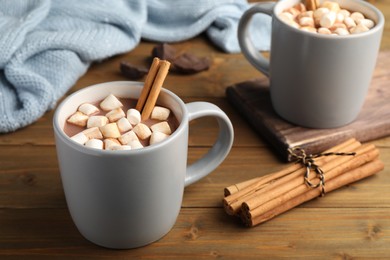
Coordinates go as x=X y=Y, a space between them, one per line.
x=253 y=100
x=208 y=234
x=350 y=223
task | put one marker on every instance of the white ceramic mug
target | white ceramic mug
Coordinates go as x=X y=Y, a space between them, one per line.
x=316 y=80
x=127 y=199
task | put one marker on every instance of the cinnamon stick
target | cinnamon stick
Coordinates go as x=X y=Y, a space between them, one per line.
x=233 y=203
x=239 y=186
x=150 y=77
x=311 y=5
x=163 y=68
x=349 y=177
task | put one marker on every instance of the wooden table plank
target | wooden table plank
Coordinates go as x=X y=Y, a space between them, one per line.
x=209 y=233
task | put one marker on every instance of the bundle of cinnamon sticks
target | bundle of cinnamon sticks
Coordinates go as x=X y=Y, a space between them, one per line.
x=260 y=199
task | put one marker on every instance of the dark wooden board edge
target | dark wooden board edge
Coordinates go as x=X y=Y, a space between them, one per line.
x=256 y=121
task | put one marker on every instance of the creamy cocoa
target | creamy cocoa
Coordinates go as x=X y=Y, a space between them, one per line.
x=72 y=129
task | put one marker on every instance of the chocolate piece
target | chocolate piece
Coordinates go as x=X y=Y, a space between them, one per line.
x=132 y=72
x=185 y=63
x=188 y=63
x=164 y=51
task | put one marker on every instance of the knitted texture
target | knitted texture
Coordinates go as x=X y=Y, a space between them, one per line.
x=45 y=46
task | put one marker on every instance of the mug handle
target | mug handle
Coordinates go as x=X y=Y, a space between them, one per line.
x=214 y=157
x=247 y=47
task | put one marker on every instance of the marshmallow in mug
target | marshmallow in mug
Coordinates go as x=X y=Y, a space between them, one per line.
x=329 y=18
x=117 y=130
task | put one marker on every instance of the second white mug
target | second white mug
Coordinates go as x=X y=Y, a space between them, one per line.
x=316 y=80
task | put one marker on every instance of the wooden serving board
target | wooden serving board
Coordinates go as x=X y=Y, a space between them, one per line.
x=252 y=100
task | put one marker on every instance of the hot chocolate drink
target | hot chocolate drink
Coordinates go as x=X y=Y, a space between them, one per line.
x=115 y=124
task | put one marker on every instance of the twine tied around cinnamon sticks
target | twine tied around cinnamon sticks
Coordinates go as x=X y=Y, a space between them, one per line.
x=299 y=155
x=262 y=198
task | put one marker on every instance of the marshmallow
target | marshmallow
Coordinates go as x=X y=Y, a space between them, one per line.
x=80 y=138
x=115 y=114
x=110 y=131
x=323 y=30
x=135 y=144
x=134 y=116
x=88 y=109
x=367 y=22
x=78 y=118
x=307 y=14
x=332 y=6
x=110 y=103
x=309 y=29
x=295 y=12
x=357 y=16
x=162 y=127
x=288 y=18
x=319 y=12
x=126 y=138
x=337 y=26
x=300 y=7
x=359 y=29
x=124 y=125
x=157 y=137
x=349 y=22
x=306 y=21
x=341 y=31
x=93 y=133
x=96 y=121
x=339 y=17
x=285 y=17
x=109 y=143
x=94 y=143
x=160 y=113
x=344 y=13
x=328 y=19
x=120 y=147
x=142 y=131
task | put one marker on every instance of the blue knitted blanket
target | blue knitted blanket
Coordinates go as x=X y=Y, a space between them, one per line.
x=46 y=45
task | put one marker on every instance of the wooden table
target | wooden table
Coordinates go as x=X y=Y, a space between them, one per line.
x=349 y=223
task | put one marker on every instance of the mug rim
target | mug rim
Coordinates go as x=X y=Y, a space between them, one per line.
x=60 y=133
x=378 y=25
